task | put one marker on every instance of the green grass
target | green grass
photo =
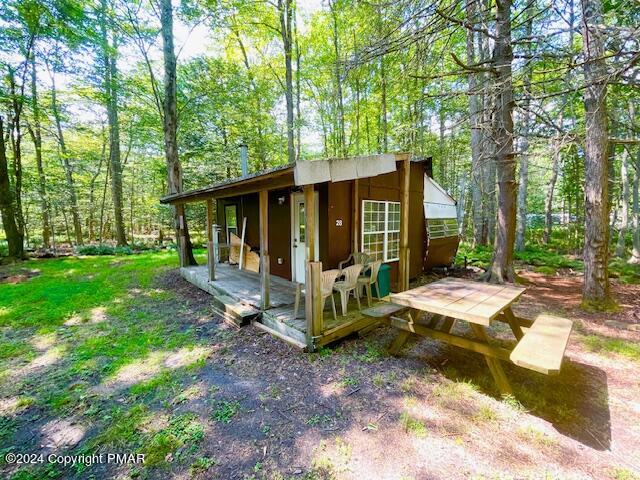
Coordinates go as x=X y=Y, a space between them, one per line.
x=88 y=338
x=413 y=425
x=74 y=286
x=613 y=345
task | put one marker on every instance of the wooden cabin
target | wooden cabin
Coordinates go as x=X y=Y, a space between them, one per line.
x=307 y=217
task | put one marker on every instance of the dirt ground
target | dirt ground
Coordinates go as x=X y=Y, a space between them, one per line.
x=353 y=412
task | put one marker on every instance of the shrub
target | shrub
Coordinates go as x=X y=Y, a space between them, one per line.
x=103 y=250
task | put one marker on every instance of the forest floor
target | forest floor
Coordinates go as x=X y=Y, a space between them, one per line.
x=120 y=355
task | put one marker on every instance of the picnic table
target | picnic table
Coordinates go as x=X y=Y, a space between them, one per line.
x=540 y=344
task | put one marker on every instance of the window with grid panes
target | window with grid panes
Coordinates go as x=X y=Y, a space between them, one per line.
x=442 y=227
x=381 y=229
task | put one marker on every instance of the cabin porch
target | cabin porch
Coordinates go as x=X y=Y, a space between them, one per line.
x=237 y=297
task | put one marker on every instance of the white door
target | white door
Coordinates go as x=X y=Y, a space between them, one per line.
x=299 y=236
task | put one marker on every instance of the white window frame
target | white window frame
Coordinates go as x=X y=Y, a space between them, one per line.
x=385 y=232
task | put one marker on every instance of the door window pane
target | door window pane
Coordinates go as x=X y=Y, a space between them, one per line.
x=301 y=224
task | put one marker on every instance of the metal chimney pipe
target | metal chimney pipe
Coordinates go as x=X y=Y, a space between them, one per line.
x=244 y=159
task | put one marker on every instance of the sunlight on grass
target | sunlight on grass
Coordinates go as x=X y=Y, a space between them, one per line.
x=43 y=341
x=144 y=369
x=625 y=348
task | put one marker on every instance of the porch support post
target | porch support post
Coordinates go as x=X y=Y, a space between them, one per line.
x=310 y=222
x=264 y=249
x=403 y=280
x=313 y=303
x=313 y=314
x=355 y=221
x=211 y=256
x=180 y=240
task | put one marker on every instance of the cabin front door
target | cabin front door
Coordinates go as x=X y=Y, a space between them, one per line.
x=299 y=236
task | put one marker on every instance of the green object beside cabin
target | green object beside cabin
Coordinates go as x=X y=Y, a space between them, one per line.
x=384 y=281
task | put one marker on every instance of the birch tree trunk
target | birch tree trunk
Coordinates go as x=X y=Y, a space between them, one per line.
x=595 y=293
x=501 y=269
x=621 y=245
x=170 y=128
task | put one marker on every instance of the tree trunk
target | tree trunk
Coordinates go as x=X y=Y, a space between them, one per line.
x=285 y=14
x=548 y=204
x=15 y=238
x=36 y=137
x=170 y=128
x=501 y=269
x=635 y=252
x=342 y=151
x=475 y=102
x=595 y=293
x=383 y=104
x=524 y=143
x=621 y=246
x=92 y=190
x=298 y=94
x=17 y=102
x=442 y=165
x=109 y=52
x=68 y=169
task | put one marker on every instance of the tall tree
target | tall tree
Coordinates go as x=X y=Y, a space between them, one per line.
x=621 y=245
x=635 y=252
x=15 y=238
x=475 y=107
x=285 y=15
x=501 y=268
x=66 y=161
x=595 y=293
x=170 y=129
x=111 y=86
x=35 y=131
x=524 y=136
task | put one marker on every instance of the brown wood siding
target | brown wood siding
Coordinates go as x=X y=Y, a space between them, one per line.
x=280 y=233
x=387 y=187
x=339 y=208
x=323 y=234
x=335 y=205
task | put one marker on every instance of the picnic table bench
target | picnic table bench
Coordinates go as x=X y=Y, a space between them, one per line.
x=540 y=343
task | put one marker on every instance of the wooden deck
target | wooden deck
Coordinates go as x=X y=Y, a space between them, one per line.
x=237 y=292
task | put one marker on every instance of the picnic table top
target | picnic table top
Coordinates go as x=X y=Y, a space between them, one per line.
x=475 y=302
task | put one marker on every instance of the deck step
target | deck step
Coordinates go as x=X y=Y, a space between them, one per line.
x=543 y=345
x=293 y=341
x=383 y=310
x=239 y=313
x=273 y=323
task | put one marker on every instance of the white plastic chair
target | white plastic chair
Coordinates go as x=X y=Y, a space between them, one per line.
x=348 y=285
x=327 y=280
x=371 y=279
